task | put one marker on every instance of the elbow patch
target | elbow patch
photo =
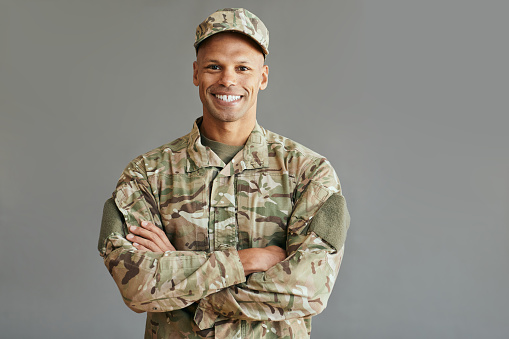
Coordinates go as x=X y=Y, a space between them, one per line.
x=112 y=221
x=332 y=220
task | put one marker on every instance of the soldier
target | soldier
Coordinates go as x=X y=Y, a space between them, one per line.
x=231 y=231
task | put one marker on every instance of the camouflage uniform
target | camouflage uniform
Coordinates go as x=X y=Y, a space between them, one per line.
x=267 y=195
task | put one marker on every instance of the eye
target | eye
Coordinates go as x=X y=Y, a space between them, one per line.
x=243 y=68
x=213 y=67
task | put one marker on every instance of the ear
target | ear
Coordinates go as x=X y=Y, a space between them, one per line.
x=195 y=73
x=265 y=77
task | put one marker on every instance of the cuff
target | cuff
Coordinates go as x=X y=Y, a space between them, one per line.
x=231 y=266
x=205 y=316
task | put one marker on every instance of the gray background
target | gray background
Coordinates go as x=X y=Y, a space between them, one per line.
x=408 y=100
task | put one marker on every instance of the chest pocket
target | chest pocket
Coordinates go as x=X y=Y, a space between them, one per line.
x=263 y=208
x=184 y=212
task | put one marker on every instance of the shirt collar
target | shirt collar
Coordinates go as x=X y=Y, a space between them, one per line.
x=253 y=155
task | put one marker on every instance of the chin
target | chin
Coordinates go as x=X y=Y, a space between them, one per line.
x=227 y=117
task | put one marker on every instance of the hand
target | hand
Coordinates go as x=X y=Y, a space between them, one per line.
x=149 y=238
x=260 y=259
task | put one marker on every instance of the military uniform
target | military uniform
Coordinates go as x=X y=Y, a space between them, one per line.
x=266 y=195
x=273 y=192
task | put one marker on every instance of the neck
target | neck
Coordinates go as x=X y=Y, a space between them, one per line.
x=233 y=133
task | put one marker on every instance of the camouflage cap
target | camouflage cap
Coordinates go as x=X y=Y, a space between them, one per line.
x=237 y=20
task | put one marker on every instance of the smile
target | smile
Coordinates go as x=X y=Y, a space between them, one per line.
x=227 y=98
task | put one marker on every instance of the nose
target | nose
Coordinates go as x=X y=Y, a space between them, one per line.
x=228 y=78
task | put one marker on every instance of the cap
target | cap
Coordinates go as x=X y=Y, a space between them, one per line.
x=234 y=20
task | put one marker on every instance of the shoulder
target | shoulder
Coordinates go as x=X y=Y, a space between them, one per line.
x=283 y=147
x=287 y=145
x=300 y=162
x=169 y=155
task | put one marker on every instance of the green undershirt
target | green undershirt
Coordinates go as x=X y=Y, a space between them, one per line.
x=224 y=152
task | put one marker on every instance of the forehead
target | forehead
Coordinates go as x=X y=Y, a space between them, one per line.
x=229 y=46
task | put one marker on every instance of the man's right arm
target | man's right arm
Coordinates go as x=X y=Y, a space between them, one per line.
x=160 y=282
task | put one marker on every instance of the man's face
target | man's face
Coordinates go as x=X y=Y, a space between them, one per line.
x=229 y=72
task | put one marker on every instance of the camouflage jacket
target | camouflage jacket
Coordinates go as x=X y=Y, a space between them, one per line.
x=267 y=195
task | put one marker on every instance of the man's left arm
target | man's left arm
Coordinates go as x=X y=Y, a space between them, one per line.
x=300 y=285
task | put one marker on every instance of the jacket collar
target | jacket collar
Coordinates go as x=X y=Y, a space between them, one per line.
x=253 y=155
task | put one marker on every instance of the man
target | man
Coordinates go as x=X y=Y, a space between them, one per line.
x=231 y=231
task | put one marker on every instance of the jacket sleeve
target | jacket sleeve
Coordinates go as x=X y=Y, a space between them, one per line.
x=158 y=282
x=300 y=285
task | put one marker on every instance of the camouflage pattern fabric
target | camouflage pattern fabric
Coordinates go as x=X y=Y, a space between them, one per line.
x=237 y=20
x=267 y=195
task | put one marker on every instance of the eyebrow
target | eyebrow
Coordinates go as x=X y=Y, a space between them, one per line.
x=218 y=62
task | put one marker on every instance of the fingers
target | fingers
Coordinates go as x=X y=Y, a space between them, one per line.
x=163 y=241
x=150 y=232
x=150 y=237
x=142 y=243
x=260 y=259
x=140 y=247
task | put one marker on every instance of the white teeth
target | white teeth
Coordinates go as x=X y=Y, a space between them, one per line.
x=227 y=98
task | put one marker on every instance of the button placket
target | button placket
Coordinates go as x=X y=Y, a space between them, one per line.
x=223 y=205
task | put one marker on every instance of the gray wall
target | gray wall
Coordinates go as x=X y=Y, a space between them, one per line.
x=408 y=99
